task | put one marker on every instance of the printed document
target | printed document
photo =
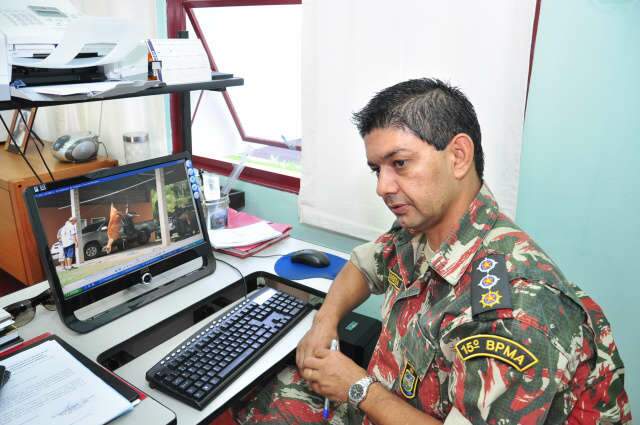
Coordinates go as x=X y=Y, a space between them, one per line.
x=241 y=236
x=48 y=386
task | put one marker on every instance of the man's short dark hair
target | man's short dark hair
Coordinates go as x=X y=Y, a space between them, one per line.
x=431 y=109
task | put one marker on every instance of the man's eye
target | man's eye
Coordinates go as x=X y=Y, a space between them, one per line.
x=400 y=163
x=376 y=171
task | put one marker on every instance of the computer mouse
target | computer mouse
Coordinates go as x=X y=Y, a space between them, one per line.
x=310 y=257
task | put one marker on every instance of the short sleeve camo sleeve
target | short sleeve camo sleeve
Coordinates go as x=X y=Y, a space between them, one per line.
x=507 y=370
x=363 y=257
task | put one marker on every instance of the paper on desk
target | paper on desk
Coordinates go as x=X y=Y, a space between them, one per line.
x=82 y=91
x=48 y=386
x=82 y=88
x=241 y=236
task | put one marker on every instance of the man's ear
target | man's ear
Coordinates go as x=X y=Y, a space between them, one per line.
x=460 y=150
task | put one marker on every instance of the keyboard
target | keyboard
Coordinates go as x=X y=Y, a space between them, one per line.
x=199 y=369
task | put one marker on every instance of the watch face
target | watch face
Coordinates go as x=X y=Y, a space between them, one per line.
x=356 y=392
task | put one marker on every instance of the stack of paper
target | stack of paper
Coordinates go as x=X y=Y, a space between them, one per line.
x=183 y=60
x=49 y=386
x=247 y=234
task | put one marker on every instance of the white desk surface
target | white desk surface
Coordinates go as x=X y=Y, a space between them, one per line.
x=111 y=334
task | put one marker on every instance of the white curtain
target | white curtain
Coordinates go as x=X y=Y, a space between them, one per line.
x=355 y=48
x=118 y=116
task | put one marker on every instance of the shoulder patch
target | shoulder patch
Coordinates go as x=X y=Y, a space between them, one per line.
x=497 y=347
x=490 y=288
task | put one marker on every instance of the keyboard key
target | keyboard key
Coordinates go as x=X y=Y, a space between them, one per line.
x=186 y=384
x=224 y=372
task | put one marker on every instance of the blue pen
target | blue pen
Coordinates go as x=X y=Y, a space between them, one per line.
x=325 y=410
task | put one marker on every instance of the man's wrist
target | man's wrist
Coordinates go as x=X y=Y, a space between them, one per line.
x=376 y=391
x=325 y=318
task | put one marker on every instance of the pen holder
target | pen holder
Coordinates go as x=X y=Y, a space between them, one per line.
x=217 y=213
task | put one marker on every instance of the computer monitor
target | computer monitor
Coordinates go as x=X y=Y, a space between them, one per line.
x=110 y=230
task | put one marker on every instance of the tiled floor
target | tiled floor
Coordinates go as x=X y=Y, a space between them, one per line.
x=8 y=283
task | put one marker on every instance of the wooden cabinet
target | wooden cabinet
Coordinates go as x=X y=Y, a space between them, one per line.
x=18 y=250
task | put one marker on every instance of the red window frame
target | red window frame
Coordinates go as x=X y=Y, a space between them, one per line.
x=177 y=13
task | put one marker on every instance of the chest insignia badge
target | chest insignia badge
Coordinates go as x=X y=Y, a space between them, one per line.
x=489 y=281
x=490 y=299
x=394 y=280
x=490 y=287
x=487 y=265
x=408 y=381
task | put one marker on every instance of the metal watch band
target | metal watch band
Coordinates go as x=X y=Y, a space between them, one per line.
x=364 y=383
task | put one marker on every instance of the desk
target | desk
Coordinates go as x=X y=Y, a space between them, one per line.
x=100 y=340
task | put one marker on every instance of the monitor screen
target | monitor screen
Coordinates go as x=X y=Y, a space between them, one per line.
x=99 y=230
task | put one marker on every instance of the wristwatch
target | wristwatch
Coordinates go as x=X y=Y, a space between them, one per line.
x=358 y=390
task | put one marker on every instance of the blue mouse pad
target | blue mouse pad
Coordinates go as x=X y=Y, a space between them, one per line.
x=295 y=271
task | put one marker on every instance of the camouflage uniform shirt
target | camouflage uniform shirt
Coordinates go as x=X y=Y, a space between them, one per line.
x=533 y=349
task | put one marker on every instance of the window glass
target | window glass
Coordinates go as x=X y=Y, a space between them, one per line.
x=261 y=44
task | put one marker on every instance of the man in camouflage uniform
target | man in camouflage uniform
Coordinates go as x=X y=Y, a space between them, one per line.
x=484 y=328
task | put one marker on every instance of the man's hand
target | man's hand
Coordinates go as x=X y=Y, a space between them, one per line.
x=319 y=336
x=331 y=373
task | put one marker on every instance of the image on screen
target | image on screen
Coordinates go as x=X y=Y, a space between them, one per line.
x=109 y=227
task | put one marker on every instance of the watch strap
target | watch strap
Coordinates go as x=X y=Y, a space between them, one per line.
x=365 y=383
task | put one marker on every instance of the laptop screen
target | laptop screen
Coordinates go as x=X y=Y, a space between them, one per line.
x=99 y=230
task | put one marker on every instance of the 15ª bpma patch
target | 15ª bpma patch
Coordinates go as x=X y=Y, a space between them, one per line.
x=497 y=347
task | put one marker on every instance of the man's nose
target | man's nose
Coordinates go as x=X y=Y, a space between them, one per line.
x=386 y=183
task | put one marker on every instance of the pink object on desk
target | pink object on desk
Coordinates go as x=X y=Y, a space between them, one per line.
x=239 y=219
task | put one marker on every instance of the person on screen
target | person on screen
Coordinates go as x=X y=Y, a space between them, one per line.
x=113 y=229
x=57 y=250
x=479 y=325
x=69 y=240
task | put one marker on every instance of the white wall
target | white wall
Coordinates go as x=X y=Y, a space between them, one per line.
x=353 y=49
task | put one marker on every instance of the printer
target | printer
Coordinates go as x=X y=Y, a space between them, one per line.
x=50 y=42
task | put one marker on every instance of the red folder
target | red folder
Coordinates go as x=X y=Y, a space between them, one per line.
x=239 y=219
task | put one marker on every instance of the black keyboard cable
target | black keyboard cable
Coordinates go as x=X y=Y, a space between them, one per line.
x=244 y=282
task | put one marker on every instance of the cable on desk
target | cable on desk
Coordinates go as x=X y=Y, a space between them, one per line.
x=100 y=142
x=20 y=150
x=244 y=282
x=268 y=256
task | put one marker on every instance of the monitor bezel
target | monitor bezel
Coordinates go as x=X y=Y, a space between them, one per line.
x=68 y=306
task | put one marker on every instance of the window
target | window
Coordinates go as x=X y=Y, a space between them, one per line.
x=259 y=122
